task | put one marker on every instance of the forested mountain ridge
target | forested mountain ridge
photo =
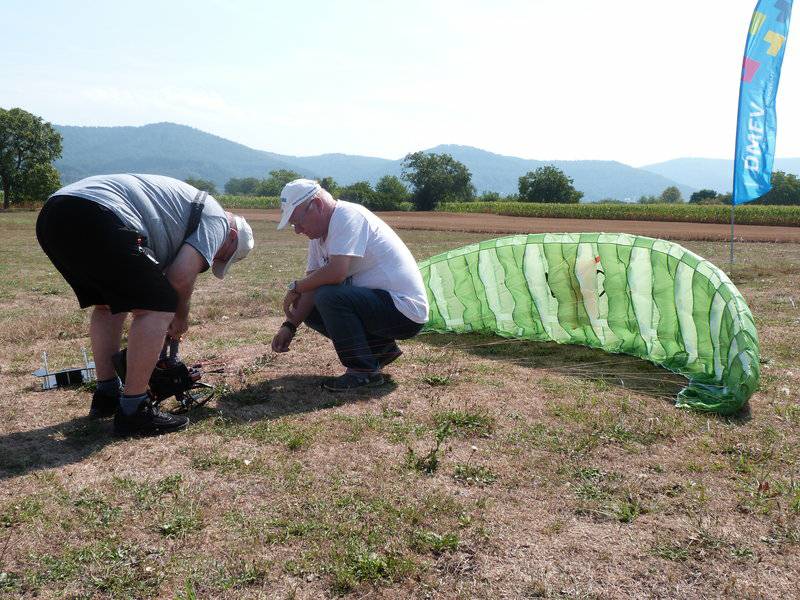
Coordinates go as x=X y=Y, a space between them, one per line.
x=181 y=151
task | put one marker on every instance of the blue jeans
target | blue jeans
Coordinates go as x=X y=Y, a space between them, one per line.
x=362 y=323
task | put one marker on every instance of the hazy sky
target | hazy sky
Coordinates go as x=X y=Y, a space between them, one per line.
x=638 y=81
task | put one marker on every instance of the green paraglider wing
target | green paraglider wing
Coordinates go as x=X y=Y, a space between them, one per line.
x=621 y=293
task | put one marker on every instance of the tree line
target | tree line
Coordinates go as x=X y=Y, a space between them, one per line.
x=29 y=145
x=785 y=190
x=438 y=178
x=427 y=180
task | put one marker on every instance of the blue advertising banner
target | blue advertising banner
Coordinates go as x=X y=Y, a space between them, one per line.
x=757 y=123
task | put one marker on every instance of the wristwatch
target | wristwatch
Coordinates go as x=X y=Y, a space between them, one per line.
x=293 y=286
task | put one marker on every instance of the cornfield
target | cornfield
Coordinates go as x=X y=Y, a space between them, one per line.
x=685 y=213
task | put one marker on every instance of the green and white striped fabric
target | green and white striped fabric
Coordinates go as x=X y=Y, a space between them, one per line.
x=621 y=293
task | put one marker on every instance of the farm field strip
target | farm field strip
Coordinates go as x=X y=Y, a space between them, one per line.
x=499 y=225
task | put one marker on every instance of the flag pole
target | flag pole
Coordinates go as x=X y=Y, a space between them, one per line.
x=733 y=206
x=733 y=189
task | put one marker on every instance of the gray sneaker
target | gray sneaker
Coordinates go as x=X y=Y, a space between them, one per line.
x=352 y=381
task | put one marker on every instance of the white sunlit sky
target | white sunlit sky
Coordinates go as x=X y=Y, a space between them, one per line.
x=638 y=81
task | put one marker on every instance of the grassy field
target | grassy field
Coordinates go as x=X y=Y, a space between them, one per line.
x=485 y=468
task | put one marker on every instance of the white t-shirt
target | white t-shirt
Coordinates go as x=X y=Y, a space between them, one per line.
x=381 y=261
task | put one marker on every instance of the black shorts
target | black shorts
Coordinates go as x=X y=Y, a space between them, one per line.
x=101 y=258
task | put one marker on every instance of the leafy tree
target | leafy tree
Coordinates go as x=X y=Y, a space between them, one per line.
x=390 y=192
x=490 y=197
x=38 y=183
x=649 y=200
x=328 y=184
x=26 y=144
x=548 y=184
x=436 y=178
x=202 y=184
x=785 y=190
x=671 y=195
x=273 y=185
x=704 y=196
x=360 y=192
x=242 y=187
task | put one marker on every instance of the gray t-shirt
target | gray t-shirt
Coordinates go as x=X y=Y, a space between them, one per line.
x=158 y=207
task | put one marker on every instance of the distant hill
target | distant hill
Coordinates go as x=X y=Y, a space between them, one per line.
x=710 y=173
x=161 y=148
x=181 y=151
x=597 y=179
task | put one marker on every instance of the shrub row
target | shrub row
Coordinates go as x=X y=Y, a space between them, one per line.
x=228 y=201
x=685 y=213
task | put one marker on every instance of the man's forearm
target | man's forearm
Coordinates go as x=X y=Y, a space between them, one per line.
x=182 y=274
x=184 y=290
x=182 y=311
x=334 y=273
x=323 y=276
x=303 y=308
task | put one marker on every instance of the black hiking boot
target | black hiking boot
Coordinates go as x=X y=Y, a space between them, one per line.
x=389 y=355
x=103 y=405
x=353 y=381
x=148 y=420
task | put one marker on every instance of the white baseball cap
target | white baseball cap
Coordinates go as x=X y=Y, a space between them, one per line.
x=245 y=243
x=293 y=195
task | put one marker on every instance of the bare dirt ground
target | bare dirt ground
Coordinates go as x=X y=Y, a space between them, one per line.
x=486 y=223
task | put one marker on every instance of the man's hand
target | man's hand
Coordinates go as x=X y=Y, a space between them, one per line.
x=177 y=328
x=289 y=301
x=282 y=339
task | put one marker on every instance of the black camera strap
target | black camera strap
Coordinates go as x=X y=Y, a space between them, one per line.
x=193 y=223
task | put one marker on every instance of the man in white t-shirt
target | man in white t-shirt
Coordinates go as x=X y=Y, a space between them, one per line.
x=362 y=287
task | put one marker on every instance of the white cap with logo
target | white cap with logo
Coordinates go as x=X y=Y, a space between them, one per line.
x=293 y=195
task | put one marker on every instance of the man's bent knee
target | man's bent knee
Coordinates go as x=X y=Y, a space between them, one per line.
x=328 y=295
x=140 y=312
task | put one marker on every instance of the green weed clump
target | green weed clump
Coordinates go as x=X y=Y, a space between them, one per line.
x=24 y=510
x=430 y=541
x=183 y=520
x=473 y=474
x=428 y=463
x=437 y=380
x=468 y=423
x=361 y=565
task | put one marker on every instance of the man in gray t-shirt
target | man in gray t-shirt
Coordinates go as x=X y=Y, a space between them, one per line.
x=136 y=243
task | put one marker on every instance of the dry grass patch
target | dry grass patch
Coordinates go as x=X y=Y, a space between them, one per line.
x=485 y=468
